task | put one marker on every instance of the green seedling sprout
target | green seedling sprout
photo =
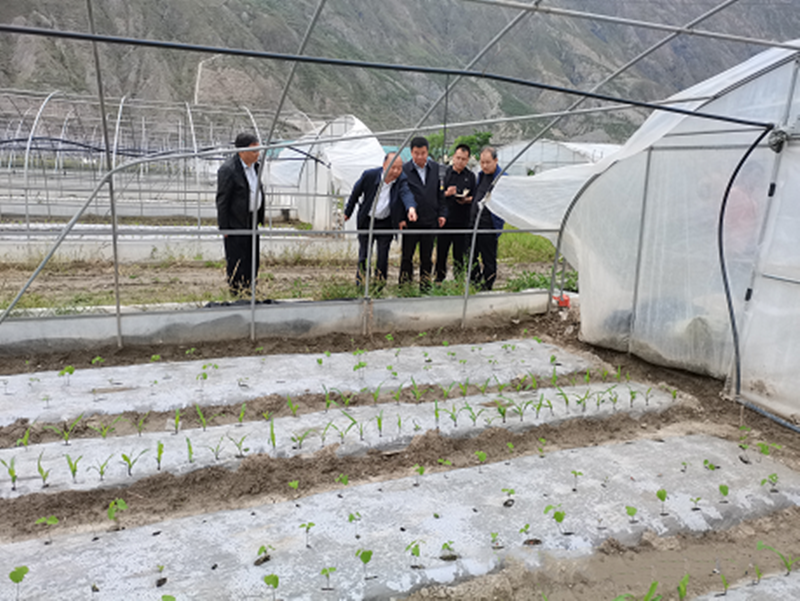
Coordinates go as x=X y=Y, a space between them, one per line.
x=396 y=394
x=299 y=438
x=376 y=394
x=239 y=444
x=345 y=398
x=510 y=492
x=343 y=479
x=17 y=575
x=327 y=573
x=709 y=465
x=695 y=500
x=413 y=547
x=496 y=540
x=189 y=450
x=633 y=394
x=98 y=360
x=67 y=371
x=263 y=555
x=361 y=427
x=159 y=453
x=554 y=378
x=324 y=434
x=661 y=494
x=328 y=398
x=43 y=473
x=100 y=468
x=582 y=400
x=501 y=409
x=682 y=586
x=354 y=518
x=510 y=447
x=365 y=556
x=446 y=390
x=524 y=529
x=73 y=466
x=724 y=584
x=115 y=506
x=130 y=460
x=436 y=412
x=445 y=462
x=216 y=450
x=576 y=473
x=67 y=431
x=647 y=396
x=156 y=358
x=724 y=490
x=519 y=409
x=104 y=430
x=26 y=438
x=190 y=351
x=379 y=422
x=773 y=481
x=473 y=415
x=48 y=521
x=481 y=455
x=242 y=412
x=417 y=390
x=272 y=432
x=631 y=511
x=558 y=515
x=177 y=421
x=788 y=560
x=464 y=387
x=272 y=581
x=758 y=574
x=650 y=595
x=319 y=361
x=500 y=386
x=294 y=485
x=203 y=421
x=292 y=406
x=308 y=526
x=564 y=397
x=420 y=469
x=540 y=446
x=484 y=387
x=764 y=447
x=141 y=422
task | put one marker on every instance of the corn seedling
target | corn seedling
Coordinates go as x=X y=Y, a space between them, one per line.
x=66 y=371
x=650 y=595
x=473 y=415
x=724 y=584
x=355 y=518
x=43 y=473
x=203 y=421
x=682 y=586
x=140 y=423
x=104 y=430
x=73 y=466
x=724 y=490
x=788 y=560
x=576 y=473
x=159 y=453
x=239 y=444
x=758 y=574
x=272 y=581
x=396 y=394
x=308 y=526
x=582 y=400
x=631 y=511
x=558 y=515
x=464 y=387
x=564 y=397
x=17 y=575
x=540 y=446
x=661 y=494
x=299 y=438
x=67 y=431
x=26 y=438
x=177 y=421
x=345 y=398
x=242 y=412
x=130 y=460
x=484 y=387
x=292 y=406
x=48 y=521
x=12 y=472
x=519 y=409
x=481 y=455
x=365 y=556
x=379 y=422
x=501 y=409
x=510 y=447
x=417 y=390
x=100 y=467
x=327 y=573
x=554 y=378
x=114 y=507
x=772 y=479
x=189 y=450
x=420 y=469
x=272 y=432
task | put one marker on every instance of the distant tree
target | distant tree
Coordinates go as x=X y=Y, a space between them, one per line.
x=476 y=140
x=436 y=145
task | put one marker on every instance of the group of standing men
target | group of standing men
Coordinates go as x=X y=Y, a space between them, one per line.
x=419 y=199
x=415 y=197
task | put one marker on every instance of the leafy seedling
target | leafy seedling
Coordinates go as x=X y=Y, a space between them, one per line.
x=159 y=453
x=239 y=444
x=682 y=586
x=509 y=502
x=448 y=553
x=695 y=500
x=114 y=507
x=365 y=556
x=355 y=518
x=130 y=460
x=242 y=412
x=203 y=420
x=73 y=466
x=724 y=490
x=576 y=474
x=177 y=421
x=481 y=455
x=104 y=430
x=308 y=526
x=710 y=465
x=343 y=479
x=216 y=450
x=724 y=584
x=67 y=431
x=48 y=521
x=298 y=438
x=17 y=575
x=263 y=555
x=661 y=494
x=650 y=595
x=788 y=560
x=772 y=479
x=100 y=467
x=43 y=473
x=327 y=573
x=189 y=450
x=413 y=549
x=496 y=544
x=272 y=581
x=558 y=515
x=540 y=446
x=141 y=422
x=67 y=371
x=631 y=511
x=26 y=438
x=420 y=469
x=294 y=485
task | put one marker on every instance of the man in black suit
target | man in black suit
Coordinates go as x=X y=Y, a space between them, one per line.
x=459 y=186
x=426 y=186
x=240 y=198
x=394 y=206
x=484 y=272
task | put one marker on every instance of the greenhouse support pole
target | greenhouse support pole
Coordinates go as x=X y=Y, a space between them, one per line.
x=109 y=163
x=196 y=161
x=468 y=270
x=639 y=246
x=254 y=238
x=28 y=154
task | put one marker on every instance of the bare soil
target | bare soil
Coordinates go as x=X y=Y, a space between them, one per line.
x=615 y=569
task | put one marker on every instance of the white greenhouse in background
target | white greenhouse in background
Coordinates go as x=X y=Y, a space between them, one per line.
x=544 y=155
x=642 y=233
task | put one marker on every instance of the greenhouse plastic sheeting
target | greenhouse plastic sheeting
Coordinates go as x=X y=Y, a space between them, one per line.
x=544 y=155
x=643 y=232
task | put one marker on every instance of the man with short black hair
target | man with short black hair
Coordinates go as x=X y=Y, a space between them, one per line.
x=394 y=204
x=240 y=200
x=459 y=186
x=484 y=272
x=426 y=186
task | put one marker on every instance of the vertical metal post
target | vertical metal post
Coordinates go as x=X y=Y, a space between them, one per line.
x=196 y=163
x=28 y=153
x=642 y=222
x=101 y=96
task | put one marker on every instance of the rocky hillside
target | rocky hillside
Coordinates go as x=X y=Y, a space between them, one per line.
x=545 y=48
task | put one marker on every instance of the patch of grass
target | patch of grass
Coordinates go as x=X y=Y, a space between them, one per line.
x=528 y=279
x=524 y=248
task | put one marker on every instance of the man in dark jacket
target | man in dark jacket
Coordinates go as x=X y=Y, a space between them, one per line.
x=426 y=186
x=395 y=204
x=459 y=186
x=240 y=199
x=484 y=272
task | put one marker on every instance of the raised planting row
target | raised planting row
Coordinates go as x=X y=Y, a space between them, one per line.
x=83 y=464
x=55 y=397
x=390 y=538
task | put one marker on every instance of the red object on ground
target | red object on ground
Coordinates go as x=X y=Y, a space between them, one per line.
x=563 y=300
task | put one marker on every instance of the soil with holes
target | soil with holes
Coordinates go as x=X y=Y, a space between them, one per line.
x=613 y=570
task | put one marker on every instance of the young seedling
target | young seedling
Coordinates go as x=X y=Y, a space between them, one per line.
x=130 y=460
x=510 y=447
x=141 y=422
x=682 y=586
x=509 y=502
x=203 y=421
x=413 y=549
x=417 y=390
x=695 y=500
x=540 y=446
x=43 y=473
x=764 y=447
x=239 y=444
x=160 y=453
x=343 y=479
x=48 y=521
x=272 y=432
x=365 y=556
x=293 y=407
x=177 y=421
x=263 y=555
x=724 y=490
x=26 y=438
x=242 y=412
x=355 y=518
x=448 y=553
x=576 y=473
x=772 y=479
x=558 y=515
x=788 y=560
x=295 y=485
x=420 y=469
x=67 y=431
x=501 y=409
x=327 y=573
x=661 y=494
x=709 y=465
x=496 y=544
x=308 y=526
x=473 y=415
x=481 y=455
x=631 y=511
x=299 y=438
x=17 y=575
x=100 y=468
x=272 y=581
x=379 y=422
x=189 y=450
x=73 y=466
x=684 y=466
x=67 y=371
x=724 y=584
x=104 y=430
x=114 y=507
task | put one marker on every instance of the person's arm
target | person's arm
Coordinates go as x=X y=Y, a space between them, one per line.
x=358 y=190
x=223 y=197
